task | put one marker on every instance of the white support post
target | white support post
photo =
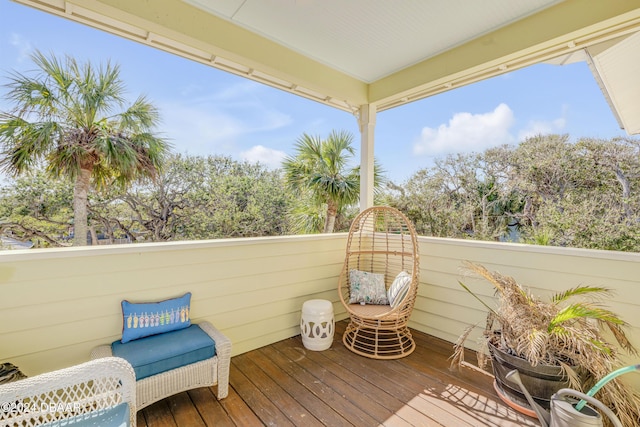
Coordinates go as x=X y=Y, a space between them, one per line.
x=367 y=122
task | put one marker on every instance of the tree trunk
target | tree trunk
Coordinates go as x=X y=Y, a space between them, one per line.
x=80 y=192
x=330 y=220
x=94 y=236
x=626 y=191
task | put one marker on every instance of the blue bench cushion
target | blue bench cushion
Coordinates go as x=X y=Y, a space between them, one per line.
x=163 y=352
x=118 y=416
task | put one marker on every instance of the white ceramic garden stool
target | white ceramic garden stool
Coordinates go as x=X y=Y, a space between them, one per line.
x=317 y=324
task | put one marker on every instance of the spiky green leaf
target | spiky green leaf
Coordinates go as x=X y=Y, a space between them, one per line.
x=579 y=291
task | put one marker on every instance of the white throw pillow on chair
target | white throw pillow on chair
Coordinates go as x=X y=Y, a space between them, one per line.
x=399 y=288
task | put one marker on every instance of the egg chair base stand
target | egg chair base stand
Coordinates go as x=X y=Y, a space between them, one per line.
x=378 y=338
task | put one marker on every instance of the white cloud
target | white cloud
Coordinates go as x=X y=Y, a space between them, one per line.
x=536 y=127
x=203 y=128
x=266 y=156
x=467 y=132
x=23 y=46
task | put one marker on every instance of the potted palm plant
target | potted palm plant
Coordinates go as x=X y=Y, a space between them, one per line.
x=562 y=341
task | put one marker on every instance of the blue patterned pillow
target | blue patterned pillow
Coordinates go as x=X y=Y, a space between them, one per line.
x=141 y=320
x=367 y=288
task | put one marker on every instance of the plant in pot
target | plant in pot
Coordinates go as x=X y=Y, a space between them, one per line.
x=562 y=341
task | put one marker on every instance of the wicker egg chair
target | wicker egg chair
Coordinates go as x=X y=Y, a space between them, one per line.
x=381 y=240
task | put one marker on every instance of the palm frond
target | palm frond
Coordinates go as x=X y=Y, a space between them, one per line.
x=457 y=358
x=140 y=117
x=532 y=346
x=473 y=294
x=558 y=332
x=321 y=170
x=578 y=291
x=482 y=271
x=621 y=337
x=59 y=116
x=571 y=374
x=586 y=311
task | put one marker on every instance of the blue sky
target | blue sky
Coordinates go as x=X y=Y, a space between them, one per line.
x=208 y=111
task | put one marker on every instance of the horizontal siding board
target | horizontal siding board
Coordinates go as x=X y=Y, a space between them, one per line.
x=143 y=258
x=59 y=335
x=57 y=313
x=59 y=303
x=591 y=263
x=251 y=271
x=229 y=303
x=243 y=346
x=444 y=309
x=56 y=358
x=70 y=298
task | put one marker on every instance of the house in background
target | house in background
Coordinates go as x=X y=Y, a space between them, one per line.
x=11 y=243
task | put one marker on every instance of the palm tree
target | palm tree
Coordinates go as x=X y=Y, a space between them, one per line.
x=320 y=170
x=71 y=118
x=571 y=330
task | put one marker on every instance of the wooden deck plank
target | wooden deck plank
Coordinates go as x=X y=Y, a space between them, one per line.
x=429 y=393
x=407 y=386
x=238 y=410
x=255 y=397
x=381 y=397
x=325 y=375
x=140 y=421
x=396 y=421
x=290 y=407
x=286 y=384
x=429 y=364
x=435 y=354
x=159 y=415
x=473 y=391
x=354 y=415
x=209 y=407
x=320 y=410
x=183 y=410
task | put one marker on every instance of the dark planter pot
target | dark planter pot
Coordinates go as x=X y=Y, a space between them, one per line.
x=541 y=381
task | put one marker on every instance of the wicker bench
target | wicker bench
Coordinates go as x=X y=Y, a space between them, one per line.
x=208 y=372
x=99 y=392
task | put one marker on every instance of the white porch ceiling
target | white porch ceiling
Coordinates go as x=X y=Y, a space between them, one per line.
x=371 y=39
x=350 y=53
x=615 y=65
x=617 y=69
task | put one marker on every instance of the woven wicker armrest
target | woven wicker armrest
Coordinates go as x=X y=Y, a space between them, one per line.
x=223 y=353
x=59 y=395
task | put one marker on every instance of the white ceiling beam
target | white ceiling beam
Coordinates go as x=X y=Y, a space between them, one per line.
x=185 y=30
x=568 y=26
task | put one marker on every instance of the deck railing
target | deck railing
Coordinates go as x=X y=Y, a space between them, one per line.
x=57 y=304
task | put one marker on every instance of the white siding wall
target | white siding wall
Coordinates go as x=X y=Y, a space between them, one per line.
x=445 y=309
x=57 y=304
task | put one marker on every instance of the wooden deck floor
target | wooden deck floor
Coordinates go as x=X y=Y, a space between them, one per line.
x=286 y=385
